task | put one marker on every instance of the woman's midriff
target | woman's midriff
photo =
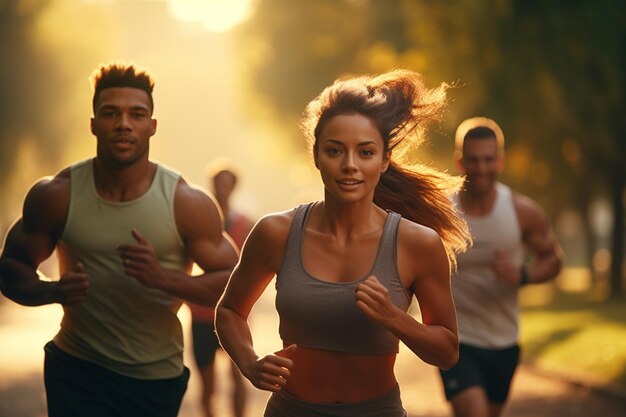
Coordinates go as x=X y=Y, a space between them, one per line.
x=324 y=376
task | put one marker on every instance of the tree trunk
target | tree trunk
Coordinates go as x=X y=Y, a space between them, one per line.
x=584 y=197
x=617 y=245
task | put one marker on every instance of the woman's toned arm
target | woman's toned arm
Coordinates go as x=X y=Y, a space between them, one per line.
x=423 y=264
x=260 y=259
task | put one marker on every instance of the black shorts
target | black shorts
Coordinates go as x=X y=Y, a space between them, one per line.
x=491 y=369
x=78 y=388
x=205 y=343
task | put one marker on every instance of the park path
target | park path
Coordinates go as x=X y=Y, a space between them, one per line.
x=24 y=331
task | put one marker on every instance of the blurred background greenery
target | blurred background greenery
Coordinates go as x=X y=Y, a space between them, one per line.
x=232 y=78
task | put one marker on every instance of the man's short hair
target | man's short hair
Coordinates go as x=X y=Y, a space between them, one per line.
x=477 y=128
x=120 y=74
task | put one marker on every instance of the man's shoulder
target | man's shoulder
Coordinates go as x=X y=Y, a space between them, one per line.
x=51 y=186
x=167 y=170
x=194 y=206
x=529 y=212
x=47 y=202
x=188 y=193
x=524 y=202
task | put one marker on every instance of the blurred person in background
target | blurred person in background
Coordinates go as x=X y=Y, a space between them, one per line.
x=505 y=227
x=126 y=231
x=223 y=178
x=348 y=267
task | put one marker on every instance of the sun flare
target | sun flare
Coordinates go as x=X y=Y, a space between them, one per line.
x=215 y=15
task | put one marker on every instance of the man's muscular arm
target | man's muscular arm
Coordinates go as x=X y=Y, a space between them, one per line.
x=31 y=240
x=539 y=239
x=201 y=228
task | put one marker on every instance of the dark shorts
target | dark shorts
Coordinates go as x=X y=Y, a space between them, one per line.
x=78 y=388
x=283 y=404
x=205 y=343
x=491 y=369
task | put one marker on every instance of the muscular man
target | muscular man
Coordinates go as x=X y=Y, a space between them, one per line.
x=126 y=231
x=504 y=225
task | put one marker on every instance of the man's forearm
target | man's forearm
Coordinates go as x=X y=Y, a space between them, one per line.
x=21 y=283
x=204 y=290
x=544 y=269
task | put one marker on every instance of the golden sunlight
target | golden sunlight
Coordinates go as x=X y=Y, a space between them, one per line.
x=215 y=15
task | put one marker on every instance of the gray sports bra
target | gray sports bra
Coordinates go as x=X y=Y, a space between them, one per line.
x=324 y=315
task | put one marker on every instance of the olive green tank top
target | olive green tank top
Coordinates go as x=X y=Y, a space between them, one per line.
x=122 y=325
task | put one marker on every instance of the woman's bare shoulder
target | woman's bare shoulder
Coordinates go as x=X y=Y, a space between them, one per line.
x=274 y=225
x=417 y=235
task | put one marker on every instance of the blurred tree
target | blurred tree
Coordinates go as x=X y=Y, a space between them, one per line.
x=293 y=49
x=552 y=73
x=588 y=65
x=31 y=88
x=561 y=92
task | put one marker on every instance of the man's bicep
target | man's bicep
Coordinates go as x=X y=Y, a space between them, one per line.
x=212 y=254
x=540 y=238
x=200 y=226
x=209 y=246
x=30 y=248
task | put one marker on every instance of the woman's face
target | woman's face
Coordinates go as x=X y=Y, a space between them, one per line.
x=351 y=157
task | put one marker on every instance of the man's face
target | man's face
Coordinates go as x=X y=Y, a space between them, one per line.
x=123 y=125
x=481 y=163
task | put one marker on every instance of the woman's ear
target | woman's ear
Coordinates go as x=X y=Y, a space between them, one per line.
x=386 y=161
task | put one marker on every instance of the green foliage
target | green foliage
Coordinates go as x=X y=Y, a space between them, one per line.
x=550 y=72
x=578 y=337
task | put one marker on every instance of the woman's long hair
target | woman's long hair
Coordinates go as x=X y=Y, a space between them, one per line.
x=401 y=107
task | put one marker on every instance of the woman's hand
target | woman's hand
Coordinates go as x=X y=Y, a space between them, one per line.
x=374 y=301
x=271 y=372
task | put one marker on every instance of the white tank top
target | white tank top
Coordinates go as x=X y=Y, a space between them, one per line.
x=487 y=308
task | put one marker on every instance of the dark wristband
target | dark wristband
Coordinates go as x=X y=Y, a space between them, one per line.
x=523 y=279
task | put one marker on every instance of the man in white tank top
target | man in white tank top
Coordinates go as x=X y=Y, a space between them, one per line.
x=504 y=224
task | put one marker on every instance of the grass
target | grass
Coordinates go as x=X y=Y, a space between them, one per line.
x=575 y=334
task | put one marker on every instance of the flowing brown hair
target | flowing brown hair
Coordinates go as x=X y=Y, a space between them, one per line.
x=401 y=107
